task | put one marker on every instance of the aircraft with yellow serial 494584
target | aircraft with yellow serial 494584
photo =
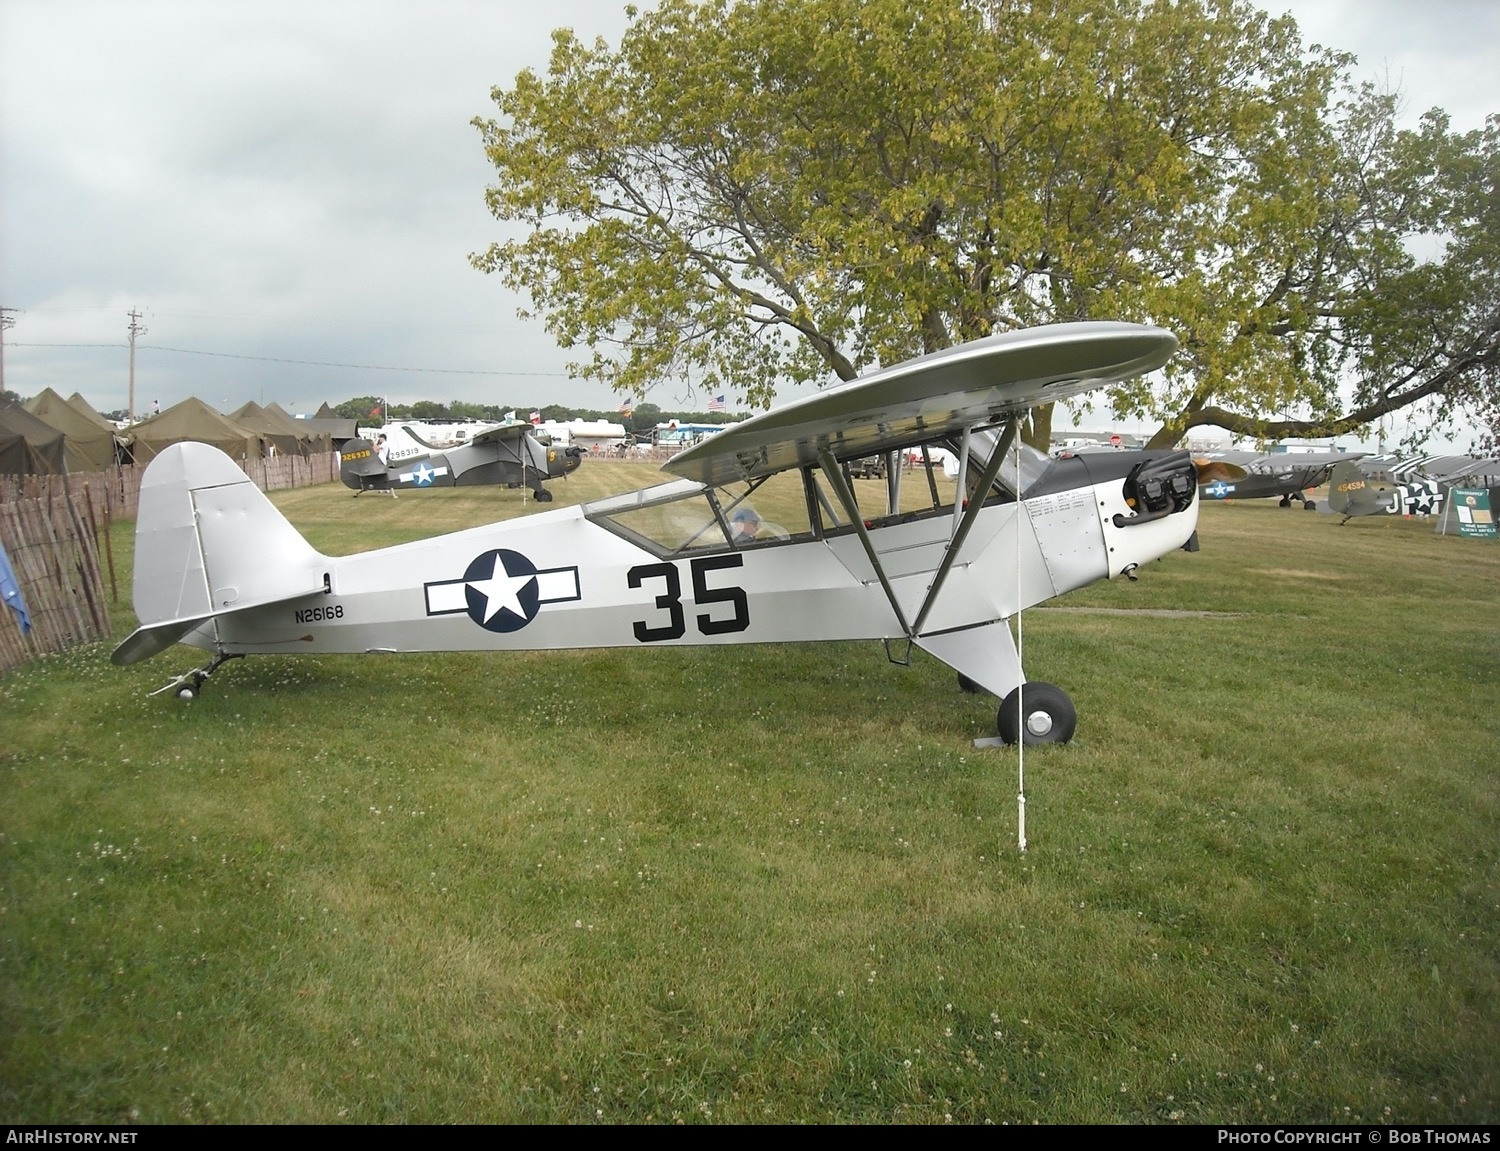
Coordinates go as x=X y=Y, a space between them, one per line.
x=757 y=537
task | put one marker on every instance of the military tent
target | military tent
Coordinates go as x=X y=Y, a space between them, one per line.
x=77 y=400
x=329 y=423
x=283 y=441
x=316 y=441
x=194 y=420
x=29 y=447
x=90 y=447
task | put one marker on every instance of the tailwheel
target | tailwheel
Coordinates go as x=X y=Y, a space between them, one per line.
x=189 y=685
x=968 y=685
x=1049 y=715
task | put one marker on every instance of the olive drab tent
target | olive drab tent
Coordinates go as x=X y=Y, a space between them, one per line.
x=90 y=445
x=29 y=447
x=316 y=441
x=77 y=400
x=196 y=421
x=285 y=441
x=329 y=423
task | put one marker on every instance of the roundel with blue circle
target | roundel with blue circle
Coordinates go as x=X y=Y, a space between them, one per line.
x=500 y=588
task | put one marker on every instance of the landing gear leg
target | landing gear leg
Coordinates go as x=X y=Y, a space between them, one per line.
x=189 y=685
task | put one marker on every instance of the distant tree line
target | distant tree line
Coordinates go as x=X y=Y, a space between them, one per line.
x=643 y=418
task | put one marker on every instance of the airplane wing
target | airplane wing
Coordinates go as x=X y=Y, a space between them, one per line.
x=1446 y=469
x=510 y=430
x=926 y=398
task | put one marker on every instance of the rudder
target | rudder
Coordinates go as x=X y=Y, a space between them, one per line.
x=1351 y=492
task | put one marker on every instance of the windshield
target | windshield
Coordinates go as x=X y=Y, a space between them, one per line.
x=1021 y=458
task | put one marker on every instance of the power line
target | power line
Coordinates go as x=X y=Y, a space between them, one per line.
x=307 y=363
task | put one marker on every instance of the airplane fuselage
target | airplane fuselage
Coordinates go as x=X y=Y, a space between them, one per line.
x=566 y=579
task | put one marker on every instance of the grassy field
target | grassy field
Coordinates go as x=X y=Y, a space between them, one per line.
x=779 y=883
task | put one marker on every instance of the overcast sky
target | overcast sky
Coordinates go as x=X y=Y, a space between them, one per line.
x=273 y=182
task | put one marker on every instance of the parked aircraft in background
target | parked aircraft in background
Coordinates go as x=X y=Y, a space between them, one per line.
x=1445 y=469
x=941 y=565
x=1286 y=474
x=1412 y=485
x=506 y=453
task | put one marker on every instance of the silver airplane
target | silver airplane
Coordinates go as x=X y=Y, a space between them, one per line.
x=759 y=536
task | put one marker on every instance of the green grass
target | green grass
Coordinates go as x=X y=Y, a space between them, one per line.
x=779 y=883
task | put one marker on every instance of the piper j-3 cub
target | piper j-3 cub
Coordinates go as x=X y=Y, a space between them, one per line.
x=507 y=453
x=1286 y=474
x=761 y=537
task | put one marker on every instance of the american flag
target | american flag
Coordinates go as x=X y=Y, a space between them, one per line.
x=536 y=417
x=716 y=404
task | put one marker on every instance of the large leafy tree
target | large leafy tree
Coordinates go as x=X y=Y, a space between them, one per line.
x=746 y=193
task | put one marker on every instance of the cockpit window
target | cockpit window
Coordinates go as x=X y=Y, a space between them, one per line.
x=1023 y=469
x=1030 y=464
x=684 y=516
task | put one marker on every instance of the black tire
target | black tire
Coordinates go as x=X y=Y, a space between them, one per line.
x=1286 y=502
x=543 y=496
x=1050 y=714
x=968 y=685
x=1310 y=505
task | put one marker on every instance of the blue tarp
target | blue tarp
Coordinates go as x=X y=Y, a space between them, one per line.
x=10 y=592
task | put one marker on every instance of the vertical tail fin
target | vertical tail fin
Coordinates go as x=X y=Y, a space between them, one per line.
x=207 y=542
x=1351 y=493
x=360 y=468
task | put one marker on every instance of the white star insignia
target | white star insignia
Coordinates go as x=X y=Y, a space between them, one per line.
x=502 y=591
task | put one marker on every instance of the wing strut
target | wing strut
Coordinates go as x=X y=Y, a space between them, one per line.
x=840 y=484
x=893 y=481
x=971 y=512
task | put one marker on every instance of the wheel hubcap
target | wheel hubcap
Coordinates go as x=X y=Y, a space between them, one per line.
x=1038 y=723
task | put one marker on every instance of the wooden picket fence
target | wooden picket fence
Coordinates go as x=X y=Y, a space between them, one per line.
x=53 y=546
x=56 y=528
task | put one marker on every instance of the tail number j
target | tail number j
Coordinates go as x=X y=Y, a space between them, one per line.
x=670 y=601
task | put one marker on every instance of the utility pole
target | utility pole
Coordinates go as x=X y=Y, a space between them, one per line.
x=7 y=321
x=136 y=329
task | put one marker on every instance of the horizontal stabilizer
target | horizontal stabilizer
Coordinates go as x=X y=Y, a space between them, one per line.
x=145 y=642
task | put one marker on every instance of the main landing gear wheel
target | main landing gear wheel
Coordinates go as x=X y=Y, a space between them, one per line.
x=543 y=496
x=1049 y=718
x=968 y=685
